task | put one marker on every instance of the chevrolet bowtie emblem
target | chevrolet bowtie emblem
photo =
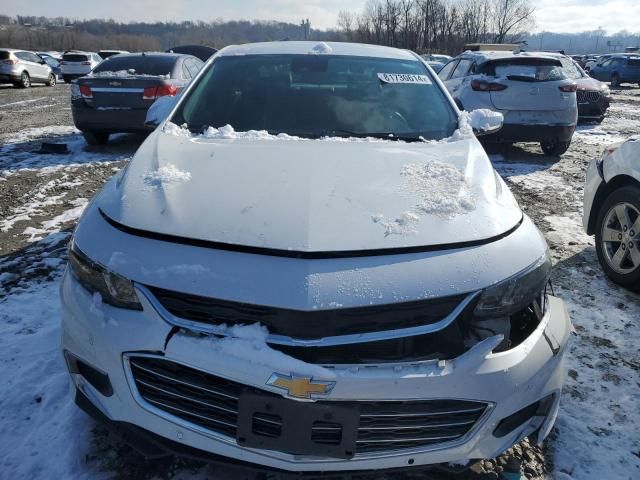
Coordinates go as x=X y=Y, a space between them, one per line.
x=300 y=387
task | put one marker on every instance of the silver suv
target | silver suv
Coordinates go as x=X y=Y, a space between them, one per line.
x=23 y=68
x=532 y=91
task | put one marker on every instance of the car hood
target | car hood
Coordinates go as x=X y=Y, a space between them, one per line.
x=588 y=83
x=311 y=195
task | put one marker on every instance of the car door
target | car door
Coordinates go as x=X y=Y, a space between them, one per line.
x=599 y=70
x=39 y=65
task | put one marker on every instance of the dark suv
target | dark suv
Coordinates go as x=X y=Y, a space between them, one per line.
x=617 y=69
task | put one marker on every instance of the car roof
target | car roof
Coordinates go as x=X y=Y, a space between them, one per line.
x=312 y=47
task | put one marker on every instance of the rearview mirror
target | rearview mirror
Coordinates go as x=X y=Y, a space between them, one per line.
x=159 y=110
x=485 y=122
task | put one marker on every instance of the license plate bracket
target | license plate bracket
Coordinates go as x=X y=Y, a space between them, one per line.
x=273 y=423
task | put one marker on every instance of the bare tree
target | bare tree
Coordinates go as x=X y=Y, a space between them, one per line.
x=511 y=17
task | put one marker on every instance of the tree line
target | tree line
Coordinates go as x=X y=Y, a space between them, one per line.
x=443 y=26
x=60 y=34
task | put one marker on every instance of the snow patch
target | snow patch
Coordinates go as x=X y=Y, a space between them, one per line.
x=441 y=188
x=56 y=223
x=126 y=74
x=320 y=48
x=402 y=225
x=166 y=175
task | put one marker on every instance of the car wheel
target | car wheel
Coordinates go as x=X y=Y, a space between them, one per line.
x=51 y=81
x=615 y=80
x=554 y=147
x=66 y=79
x=618 y=236
x=96 y=138
x=25 y=80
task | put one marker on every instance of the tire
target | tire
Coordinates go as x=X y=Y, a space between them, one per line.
x=96 y=138
x=25 y=80
x=619 y=250
x=66 y=79
x=615 y=80
x=554 y=147
x=51 y=81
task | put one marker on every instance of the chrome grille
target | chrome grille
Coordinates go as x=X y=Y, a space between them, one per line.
x=211 y=402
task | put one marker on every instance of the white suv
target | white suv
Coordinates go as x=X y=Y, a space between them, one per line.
x=612 y=211
x=311 y=265
x=78 y=64
x=533 y=93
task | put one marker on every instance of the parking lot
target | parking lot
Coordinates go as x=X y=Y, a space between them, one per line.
x=43 y=195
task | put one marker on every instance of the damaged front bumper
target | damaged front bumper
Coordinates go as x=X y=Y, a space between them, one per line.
x=499 y=397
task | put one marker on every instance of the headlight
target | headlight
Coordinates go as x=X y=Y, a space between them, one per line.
x=515 y=293
x=114 y=289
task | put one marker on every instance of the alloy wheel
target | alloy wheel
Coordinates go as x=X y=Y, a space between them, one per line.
x=26 y=81
x=621 y=238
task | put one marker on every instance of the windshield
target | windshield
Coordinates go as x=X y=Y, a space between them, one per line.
x=319 y=95
x=155 y=65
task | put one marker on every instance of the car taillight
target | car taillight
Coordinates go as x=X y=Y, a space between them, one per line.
x=151 y=93
x=482 y=86
x=569 y=88
x=10 y=62
x=85 y=91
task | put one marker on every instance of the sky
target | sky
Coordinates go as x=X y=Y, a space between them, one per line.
x=551 y=15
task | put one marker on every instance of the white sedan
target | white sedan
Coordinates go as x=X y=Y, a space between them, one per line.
x=311 y=265
x=612 y=211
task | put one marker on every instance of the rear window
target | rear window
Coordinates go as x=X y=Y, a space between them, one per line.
x=634 y=62
x=138 y=65
x=4 y=55
x=74 y=57
x=525 y=69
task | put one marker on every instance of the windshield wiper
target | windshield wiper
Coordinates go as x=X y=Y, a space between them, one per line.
x=381 y=135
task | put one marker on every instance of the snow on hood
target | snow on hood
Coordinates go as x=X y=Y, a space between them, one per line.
x=312 y=195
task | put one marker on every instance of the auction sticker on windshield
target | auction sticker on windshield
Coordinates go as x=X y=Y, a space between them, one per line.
x=404 y=78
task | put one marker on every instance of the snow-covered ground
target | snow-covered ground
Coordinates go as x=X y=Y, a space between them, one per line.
x=43 y=435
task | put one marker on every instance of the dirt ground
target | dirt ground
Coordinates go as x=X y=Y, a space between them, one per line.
x=42 y=196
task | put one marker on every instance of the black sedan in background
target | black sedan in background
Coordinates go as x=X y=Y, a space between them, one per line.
x=116 y=95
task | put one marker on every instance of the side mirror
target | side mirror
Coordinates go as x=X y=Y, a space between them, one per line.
x=485 y=122
x=160 y=110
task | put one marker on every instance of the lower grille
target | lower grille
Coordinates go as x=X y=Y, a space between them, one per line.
x=211 y=403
